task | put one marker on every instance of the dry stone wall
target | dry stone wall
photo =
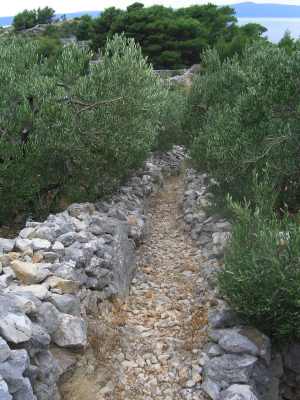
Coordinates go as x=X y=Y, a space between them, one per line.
x=238 y=362
x=56 y=272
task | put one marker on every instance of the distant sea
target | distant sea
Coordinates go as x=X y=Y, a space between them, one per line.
x=276 y=26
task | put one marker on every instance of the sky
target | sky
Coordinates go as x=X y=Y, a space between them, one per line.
x=11 y=7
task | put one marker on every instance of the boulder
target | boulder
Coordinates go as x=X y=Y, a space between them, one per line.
x=214 y=350
x=238 y=392
x=66 y=360
x=216 y=334
x=41 y=244
x=30 y=273
x=220 y=240
x=79 y=225
x=58 y=248
x=68 y=238
x=39 y=341
x=71 y=332
x=77 y=254
x=25 y=392
x=6 y=259
x=95 y=270
x=66 y=303
x=46 y=392
x=211 y=388
x=42 y=232
x=6 y=245
x=223 y=226
x=243 y=340
x=27 y=302
x=5 y=281
x=234 y=342
x=229 y=369
x=4 y=351
x=23 y=244
x=13 y=369
x=80 y=211
x=67 y=270
x=39 y=291
x=49 y=317
x=50 y=256
x=48 y=367
x=123 y=261
x=100 y=225
x=261 y=341
x=223 y=317
x=15 y=326
x=9 y=272
x=25 y=233
x=62 y=225
x=62 y=286
x=4 y=393
x=117 y=213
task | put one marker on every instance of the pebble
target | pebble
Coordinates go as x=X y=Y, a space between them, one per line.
x=158 y=361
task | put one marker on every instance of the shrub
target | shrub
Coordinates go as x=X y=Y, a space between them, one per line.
x=244 y=118
x=24 y=20
x=218 y=86
x=173 y=110
x=29 y=18
x=49 y=47
x=121 y=132
x=261 y=276
x=45 y=15
x=243 y=115
x=70 y=131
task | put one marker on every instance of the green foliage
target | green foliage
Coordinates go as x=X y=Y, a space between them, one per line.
x=238 y=39
x=243 y=115
x=173 y=38
x=173 y=110
x=45 y=15
x=288 y=43
x=70 y=131
x=84 y=28
x=169 y=38
x=25 y=20
x=261 y=276
x=29 y=18
x=49 y=47
x=244 y=118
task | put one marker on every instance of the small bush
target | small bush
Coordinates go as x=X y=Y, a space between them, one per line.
x=243 y=115
x=29 y=18
x=172 y=115
x=261 y=277
x=70 y=131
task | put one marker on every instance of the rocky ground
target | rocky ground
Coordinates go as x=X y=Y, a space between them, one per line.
x=118 y=300
x=161 y=326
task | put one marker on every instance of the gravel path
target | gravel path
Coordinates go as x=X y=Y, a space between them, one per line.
x=155 y=337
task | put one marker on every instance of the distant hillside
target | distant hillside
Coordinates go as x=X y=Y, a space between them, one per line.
x=254 y=10
x=4 y=21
